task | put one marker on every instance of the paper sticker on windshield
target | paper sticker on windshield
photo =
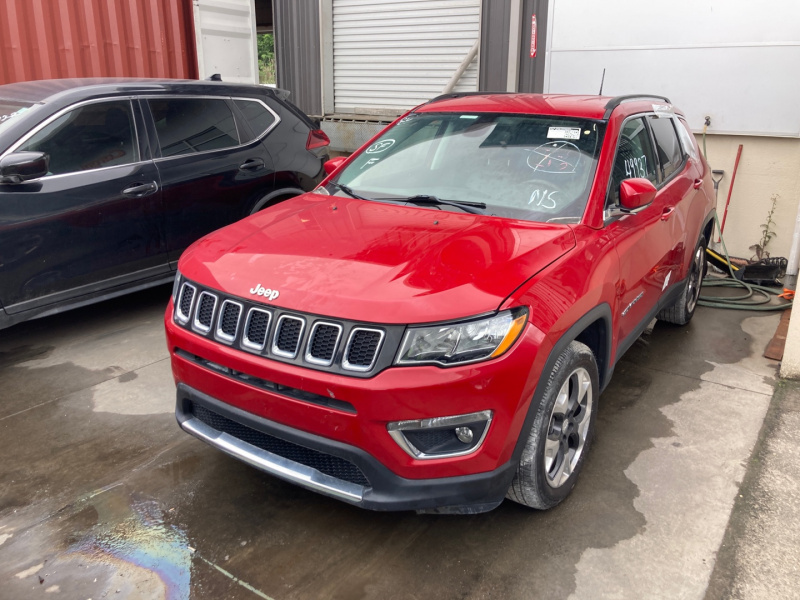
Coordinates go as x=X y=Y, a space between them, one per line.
x=663 y=110
x=564 y=133
x=379 y=147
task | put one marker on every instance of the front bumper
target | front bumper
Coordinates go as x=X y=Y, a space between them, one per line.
x=329 y=467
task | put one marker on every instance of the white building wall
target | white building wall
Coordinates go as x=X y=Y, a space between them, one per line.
x=732 y=60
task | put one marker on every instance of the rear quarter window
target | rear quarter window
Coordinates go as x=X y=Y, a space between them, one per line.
x=258 y=116
x=688 y=140
x=668 y=148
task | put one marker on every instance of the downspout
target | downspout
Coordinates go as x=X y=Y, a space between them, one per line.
x=790 y=281
x=462 y=67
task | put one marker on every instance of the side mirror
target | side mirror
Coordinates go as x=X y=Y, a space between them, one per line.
x=333 y=164
x=636 y=193
x=22 y=166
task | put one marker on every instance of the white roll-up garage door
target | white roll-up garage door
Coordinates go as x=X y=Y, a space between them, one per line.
x=390 y=55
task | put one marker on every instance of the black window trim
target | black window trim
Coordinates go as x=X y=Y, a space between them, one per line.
x=228 y=102
x=60 y=113
x=268 y=130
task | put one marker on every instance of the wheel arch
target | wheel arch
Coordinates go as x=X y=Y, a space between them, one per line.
x=708 y=226
x=593 y=329
x=271 y=197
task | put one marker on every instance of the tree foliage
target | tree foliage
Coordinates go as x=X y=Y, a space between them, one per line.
x=266 y=57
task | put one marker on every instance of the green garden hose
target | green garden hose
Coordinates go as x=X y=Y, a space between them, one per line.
x=755 y=297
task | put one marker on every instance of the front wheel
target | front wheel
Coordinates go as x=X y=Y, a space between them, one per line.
x=561 y=433
x=682 y=311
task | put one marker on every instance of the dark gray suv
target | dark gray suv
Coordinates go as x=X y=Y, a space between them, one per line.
x=104 y=182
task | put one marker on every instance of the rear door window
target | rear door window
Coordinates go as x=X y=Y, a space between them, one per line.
x=192 y=125
x=687 y=139
x=635 y=157
x=258 y=117
x=92 y=136
x=669 y=150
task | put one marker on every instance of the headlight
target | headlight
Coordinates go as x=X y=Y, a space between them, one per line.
x=459 y=343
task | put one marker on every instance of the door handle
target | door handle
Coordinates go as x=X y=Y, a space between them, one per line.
x=251 y=164
x=140 y=190
x=698 y=183
x=665 y=214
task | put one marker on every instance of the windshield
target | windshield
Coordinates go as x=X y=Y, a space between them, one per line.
x=10 y=109
x=533 y=167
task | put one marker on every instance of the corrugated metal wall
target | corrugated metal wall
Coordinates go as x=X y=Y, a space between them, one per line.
x=48 y=39
x=393 y=54
x=297 y=52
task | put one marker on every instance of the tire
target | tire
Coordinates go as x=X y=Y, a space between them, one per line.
x=682 y=310
x=554 y=455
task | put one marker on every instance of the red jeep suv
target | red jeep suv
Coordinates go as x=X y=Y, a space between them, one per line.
x=431 y=328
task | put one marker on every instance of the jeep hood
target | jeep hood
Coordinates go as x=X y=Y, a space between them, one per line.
x=374 y=261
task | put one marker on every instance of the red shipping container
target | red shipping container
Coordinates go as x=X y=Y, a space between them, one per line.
x=50 y=39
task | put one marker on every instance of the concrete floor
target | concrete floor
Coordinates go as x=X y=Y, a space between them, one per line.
x=103 y=496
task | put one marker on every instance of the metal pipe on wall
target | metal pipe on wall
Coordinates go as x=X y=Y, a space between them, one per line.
x=462 y=67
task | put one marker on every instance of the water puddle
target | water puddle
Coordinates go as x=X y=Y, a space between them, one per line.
x=142 y=541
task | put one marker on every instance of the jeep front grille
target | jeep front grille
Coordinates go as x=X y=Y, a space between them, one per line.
x=320 y=343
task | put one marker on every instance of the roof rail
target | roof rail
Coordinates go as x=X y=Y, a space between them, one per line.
x=453 y=95
x=615 y=102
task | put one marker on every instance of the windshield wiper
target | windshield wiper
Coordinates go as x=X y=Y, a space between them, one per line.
x=350 y=192
x=475 y=208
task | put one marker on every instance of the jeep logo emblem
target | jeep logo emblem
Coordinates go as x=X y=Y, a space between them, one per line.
x=269 y=294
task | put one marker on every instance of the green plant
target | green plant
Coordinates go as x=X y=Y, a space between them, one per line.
x=266 y=57
x=767 y=232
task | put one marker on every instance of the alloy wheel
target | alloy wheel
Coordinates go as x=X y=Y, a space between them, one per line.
x=568 y=428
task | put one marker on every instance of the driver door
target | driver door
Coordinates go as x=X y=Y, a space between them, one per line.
x=93 y=222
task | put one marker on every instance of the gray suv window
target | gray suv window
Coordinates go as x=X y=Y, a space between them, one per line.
x=669 y=150
x=257 y=115
x=92 y=136
x=188 y=126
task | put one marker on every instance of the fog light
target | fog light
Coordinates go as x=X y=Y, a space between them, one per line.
x=441 y=437
x=464 y=434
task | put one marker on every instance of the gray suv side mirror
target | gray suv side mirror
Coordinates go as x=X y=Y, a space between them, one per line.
x=23 y=166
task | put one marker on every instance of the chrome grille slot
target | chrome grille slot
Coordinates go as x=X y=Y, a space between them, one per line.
x=362 y=349
x=185 y=300
x=255 y=329
x=288 y=333
x=322 y=343
x=204 y=316
x=228 y=322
